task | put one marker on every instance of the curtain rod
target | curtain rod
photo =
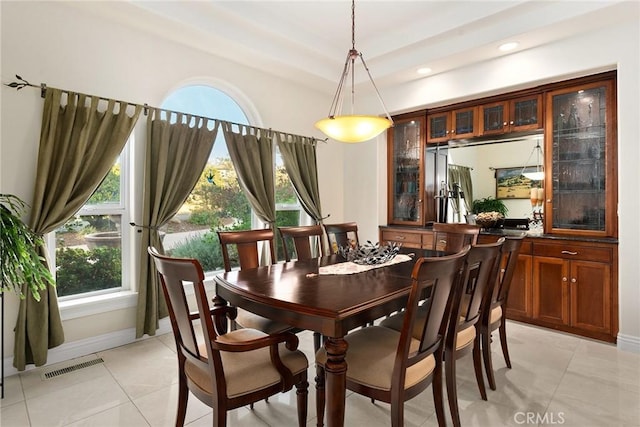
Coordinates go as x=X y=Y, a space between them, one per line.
x=43 y=91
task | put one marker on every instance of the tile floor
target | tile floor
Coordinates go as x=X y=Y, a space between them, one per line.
x=557 y=379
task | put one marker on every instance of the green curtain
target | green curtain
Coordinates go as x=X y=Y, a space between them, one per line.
x=299 y=157
x=80 y=139
x=176 y=155
x=461 y=175
x=251 y=153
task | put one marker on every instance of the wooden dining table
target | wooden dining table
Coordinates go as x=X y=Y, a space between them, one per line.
x=294 y=293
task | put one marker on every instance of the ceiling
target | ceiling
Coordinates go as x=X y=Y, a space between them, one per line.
x=307 y=40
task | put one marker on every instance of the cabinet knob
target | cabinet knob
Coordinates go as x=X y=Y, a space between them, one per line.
x=453 y=131
x=511 y=122
x=504 y=123
x=447 y=132
x=564 y=279
x=573 y=280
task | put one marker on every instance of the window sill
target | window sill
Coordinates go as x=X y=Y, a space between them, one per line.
x=98 y=304
x=82 y=307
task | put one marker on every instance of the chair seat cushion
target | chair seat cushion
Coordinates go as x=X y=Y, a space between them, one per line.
x=371 y=356
x=465 y=337
x=496 y=314
x=247 y=319
x=247 y=371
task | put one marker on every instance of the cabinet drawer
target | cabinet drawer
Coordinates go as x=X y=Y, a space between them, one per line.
x=403 y=237
x=573 y=252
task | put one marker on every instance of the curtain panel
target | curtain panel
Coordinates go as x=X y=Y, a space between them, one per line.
x=176 y=155
x=299 y=157
x=81 y=137
x=461 y=175
x=251 y=153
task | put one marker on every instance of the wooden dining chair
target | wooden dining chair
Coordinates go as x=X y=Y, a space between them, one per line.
x=226 y=370
x=394 y=366
x=479 y=275
x=453 y=237
x=463 y=313
x=341 y=235
x=308 y=244
x=495 y=304
x=307 y=241
x=246 y=247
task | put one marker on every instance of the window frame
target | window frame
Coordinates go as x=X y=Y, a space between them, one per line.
x=103 y=300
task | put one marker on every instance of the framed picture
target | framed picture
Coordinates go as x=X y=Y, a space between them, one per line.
x=511 y=184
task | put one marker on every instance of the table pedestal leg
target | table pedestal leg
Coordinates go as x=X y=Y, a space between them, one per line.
x=336 y=380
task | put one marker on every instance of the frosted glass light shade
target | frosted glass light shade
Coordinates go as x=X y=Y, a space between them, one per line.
x=534 y=176
x=354 y=128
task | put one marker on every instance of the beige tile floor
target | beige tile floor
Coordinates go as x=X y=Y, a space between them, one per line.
x=557 y=379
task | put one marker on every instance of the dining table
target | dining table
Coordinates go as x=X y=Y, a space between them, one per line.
x=312 y=295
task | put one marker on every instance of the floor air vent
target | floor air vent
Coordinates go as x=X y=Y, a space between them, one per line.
x=72 y=368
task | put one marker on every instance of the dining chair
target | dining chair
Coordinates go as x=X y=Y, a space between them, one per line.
x=307 y=241
x=308 y=244
x=341 y=235
x=245 y=243
x=225 y=370
x=451 y=237
x=394 y=366
x=463 y=312
x=494 y=306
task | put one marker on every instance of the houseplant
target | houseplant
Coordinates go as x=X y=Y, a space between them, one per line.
x=20 y=262
x=488 y=211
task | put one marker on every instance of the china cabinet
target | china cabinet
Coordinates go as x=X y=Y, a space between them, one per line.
x=453 y=124
x=581 y=155
x=567 y=276
x=406 y=170
x=514 y=115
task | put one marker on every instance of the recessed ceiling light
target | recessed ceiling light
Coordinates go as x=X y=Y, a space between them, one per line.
x=508 y=46
x=424 y=70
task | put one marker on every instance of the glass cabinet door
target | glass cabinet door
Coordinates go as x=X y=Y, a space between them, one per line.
x=406 y=145
x=579 y=155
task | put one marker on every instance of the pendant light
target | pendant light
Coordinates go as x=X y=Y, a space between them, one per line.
x=538 y=175
x=352 y=127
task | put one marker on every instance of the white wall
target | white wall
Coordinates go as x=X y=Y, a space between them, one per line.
x=612 y=47
x=64 y=47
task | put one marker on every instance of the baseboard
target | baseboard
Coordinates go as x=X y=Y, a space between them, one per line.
x=80 y=348
x=629 y=343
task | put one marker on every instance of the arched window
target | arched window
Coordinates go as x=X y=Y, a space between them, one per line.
x=217 y=202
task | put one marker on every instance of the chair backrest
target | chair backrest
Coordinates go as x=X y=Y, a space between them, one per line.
x=341 y=235
x=440 y=275
x=478 y=276
x=246 y=243
x=454 y=237
x=509 y=261
x=174 y=273
x=307 y=241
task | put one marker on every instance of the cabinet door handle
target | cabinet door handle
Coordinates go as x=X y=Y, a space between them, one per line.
x=400 y=237
x=569 y=253
x=573 y=280
x=564 y=279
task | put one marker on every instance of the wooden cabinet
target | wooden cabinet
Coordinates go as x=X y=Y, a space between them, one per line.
x=515 y=115
x=453 y=124
x=581 y=158
x=520 y=299
x=572 y=287
x=405 y=151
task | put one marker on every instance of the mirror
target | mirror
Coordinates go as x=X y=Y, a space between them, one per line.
x=504 y=159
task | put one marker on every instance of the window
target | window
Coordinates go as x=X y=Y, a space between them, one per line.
x=87 y=251
x=217 y=202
